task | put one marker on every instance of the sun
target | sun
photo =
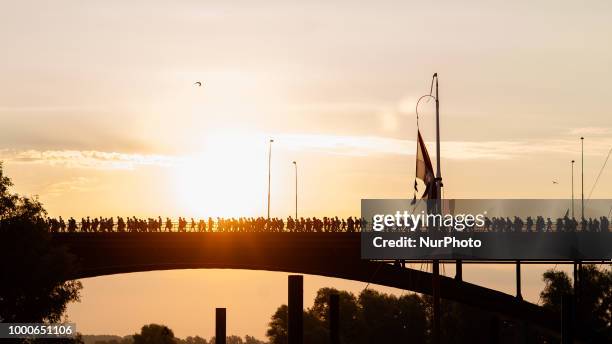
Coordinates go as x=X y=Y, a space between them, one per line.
x=226 y=179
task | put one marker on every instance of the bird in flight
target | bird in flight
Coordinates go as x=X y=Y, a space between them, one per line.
x=555 y=182
x=198 y=84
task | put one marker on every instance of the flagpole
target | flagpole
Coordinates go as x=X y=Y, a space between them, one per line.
x=438 y=179
x=437 y=208
x=436 y=263
x=438 y=172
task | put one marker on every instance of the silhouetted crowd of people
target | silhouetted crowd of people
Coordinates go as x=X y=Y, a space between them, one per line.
x=565 y=224
x=306 y=225
x=241 y=224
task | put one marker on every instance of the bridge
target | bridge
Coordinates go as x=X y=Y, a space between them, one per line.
x=325 y=254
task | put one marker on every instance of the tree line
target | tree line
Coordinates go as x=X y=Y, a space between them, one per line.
x=161 y=334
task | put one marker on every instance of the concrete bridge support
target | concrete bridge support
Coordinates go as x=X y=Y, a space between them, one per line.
x=220 y=326
x=458 y=270
x=334 y=318
x=436 y=301
x=519 y=294
x=296 y=309
x=568 y=309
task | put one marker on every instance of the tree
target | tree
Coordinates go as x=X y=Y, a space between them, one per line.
x=373 y=317
x=34 y=273
x=350 y=326
x=277 y=328
x=252 y=340
x=154 y=334
x=594 y=301
x=233 y=340
x=465 y=324
x=314 y=328
x=108 y=339
x=194 y=340
x=238 y=340
x=411 y=313
x=557 y=284
x=391 y=319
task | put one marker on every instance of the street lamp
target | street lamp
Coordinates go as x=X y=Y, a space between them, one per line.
x=573 y=161
x=296 y=189
x=269 y=172
x=582 y=183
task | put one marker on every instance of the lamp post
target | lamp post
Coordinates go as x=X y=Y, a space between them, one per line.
x=296 y=189
x=269 y=172
x=582 y=183
x=573 y=161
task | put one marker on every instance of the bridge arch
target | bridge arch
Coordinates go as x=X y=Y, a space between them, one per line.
x=325 y=254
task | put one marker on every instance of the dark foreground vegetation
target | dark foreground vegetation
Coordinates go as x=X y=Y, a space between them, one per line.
x=160 y=334
x=34 y=274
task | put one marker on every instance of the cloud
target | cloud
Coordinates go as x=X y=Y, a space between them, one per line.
x=591 y=131
x=84 y=158
x=358 y=146
x=389 y=120
x=456 y=150
x=344 y=145
x=407 y=105
x=76 y=184
x=40 y=109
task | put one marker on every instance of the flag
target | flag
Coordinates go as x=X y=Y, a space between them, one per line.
x=424 y=170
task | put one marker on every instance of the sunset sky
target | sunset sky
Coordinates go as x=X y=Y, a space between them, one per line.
x=100 y=117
